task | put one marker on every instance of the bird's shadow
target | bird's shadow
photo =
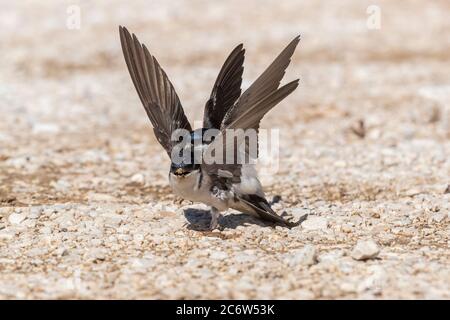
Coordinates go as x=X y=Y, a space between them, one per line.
x=199 y=220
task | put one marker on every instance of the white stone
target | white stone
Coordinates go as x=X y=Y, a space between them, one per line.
x=315 y=223
x=306 y=256
x=299 y=214
x=365 y=249
x=138 y=178
x=35 y=213
x=16 y=218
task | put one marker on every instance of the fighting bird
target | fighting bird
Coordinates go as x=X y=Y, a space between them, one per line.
x=219 y=185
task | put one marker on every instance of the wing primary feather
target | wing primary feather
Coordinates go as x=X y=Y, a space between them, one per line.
x=124 y=35
x=226 y=89
x=251 y=107
x=154 y=89
x=255 y=113
x=267 y=82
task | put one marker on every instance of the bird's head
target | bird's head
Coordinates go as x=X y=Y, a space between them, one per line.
x=188 y=156
x=184 y=169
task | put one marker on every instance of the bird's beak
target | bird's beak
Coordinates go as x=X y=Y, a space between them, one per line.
x=181 y=171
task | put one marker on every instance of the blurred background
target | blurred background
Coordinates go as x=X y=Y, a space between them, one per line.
x=63 y=74
x=368 y=125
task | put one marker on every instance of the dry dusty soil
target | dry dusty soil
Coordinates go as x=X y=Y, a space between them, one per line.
x=86 y=209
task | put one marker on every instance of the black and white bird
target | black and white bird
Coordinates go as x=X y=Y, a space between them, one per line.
x=218 y=185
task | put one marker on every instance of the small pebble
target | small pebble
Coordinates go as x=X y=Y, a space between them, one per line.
x=365 y=250
x=16 y=218
x=138 y=178
x=315 y=223
x=307 y=256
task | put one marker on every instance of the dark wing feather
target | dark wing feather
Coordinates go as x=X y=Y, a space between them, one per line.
x=266 y=83
x=263 y=209
x=252 y=115
x=251 y=107
x=226 y=90
x=226 y=140
x=154 y=89
x=248 y=119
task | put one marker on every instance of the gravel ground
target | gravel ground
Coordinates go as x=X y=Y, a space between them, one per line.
x=86 y=209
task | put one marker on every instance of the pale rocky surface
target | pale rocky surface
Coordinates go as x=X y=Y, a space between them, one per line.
x=86 y=210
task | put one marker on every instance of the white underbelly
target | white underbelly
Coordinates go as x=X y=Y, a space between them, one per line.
x=250 y=183
x=189 y=188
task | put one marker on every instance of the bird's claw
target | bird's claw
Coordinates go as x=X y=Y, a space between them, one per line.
x=213 y=224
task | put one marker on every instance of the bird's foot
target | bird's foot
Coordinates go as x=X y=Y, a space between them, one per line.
x=215 y=214
x=213 y=224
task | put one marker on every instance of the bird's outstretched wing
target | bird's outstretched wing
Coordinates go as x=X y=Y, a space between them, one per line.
x=155 y=90
x=226 y=90
x=248 y=111
x=265 y=86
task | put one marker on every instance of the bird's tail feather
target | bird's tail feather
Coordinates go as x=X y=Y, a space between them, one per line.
x=264 y=211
